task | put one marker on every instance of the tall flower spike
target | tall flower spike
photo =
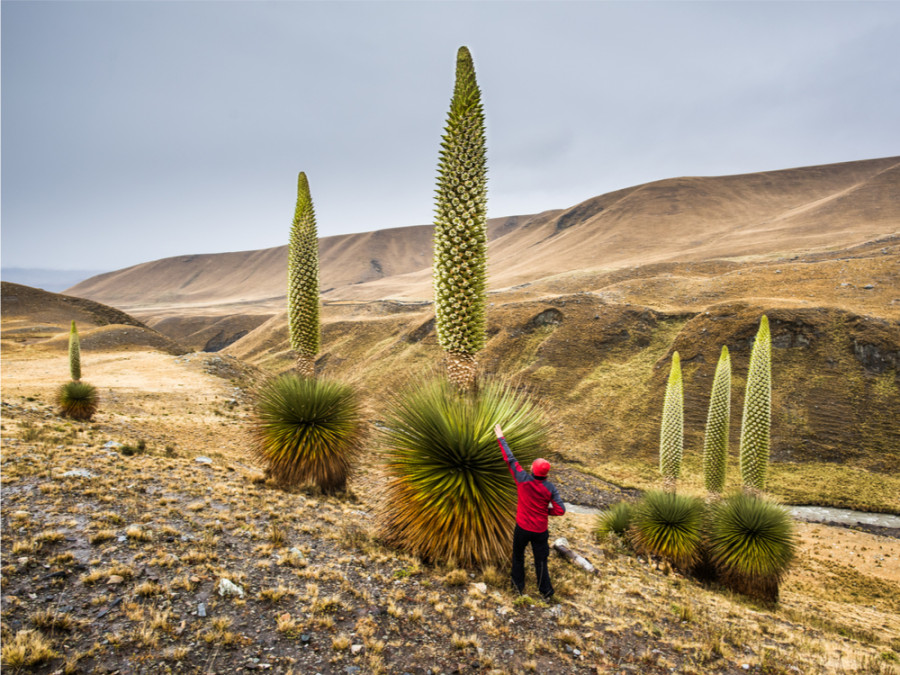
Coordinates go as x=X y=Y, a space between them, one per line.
x=303 y=281
x=460 y=228
x=715 y=443
x=74 y=353
x=754 y=452
x=671 y=437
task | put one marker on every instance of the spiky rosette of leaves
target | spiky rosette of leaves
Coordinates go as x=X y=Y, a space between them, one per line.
x=615 y=519
x=307 y=430
x=668 y=525
x=78 y=400
x=449 y=494
x=74 y=353
x=671 y=436
x=460 y=226
x=757 y=418
x=303 y=280
x=715 y=443
x=751 y=542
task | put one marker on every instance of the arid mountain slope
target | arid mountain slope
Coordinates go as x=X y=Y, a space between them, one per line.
x=680 y=219
x=32 y=317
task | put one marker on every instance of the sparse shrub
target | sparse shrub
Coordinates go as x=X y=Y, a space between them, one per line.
x=715 y=442
x=449 y=494
x=27 y=648
x=615 y=519
x=671 y=435
x=460 y=228
x=668 y=525
x=307 y=430
x=751 y=543
x=78 y=400
x=756 y=422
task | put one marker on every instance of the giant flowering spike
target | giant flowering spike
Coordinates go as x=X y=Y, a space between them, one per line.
x=715 y=444
x=754 y=452
x=671 y=437
x=74 y=353
x=303 y=281
x=460 y=228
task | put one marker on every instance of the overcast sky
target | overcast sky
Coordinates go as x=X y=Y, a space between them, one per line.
x=133 y=131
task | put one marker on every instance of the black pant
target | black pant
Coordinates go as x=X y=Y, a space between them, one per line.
x=540 y=547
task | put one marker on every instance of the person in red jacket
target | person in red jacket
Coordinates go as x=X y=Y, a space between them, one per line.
x=538 y=499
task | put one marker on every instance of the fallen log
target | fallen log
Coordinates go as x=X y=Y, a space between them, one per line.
x=561 y=546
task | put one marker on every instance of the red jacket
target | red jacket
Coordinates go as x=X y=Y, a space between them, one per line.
x=538 y=497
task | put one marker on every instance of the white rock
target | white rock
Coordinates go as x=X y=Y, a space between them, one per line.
x=479 y=587
x=203 y=460
x=226 y=587
x=356 y=649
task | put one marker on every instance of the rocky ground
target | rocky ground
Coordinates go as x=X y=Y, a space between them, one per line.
x=148 y=541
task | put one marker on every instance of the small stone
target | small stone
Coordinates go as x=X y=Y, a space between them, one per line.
x=304 y=638
x=869 y=287
x=80 y=473
x=203 y=460
x=356 y=649
x=23 y=560
x=201 y=610
x=226 y=587
x=576 y=652
x=115 y=579
x=479 y=587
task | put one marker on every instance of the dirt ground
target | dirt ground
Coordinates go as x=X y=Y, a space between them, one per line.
x=116 y=568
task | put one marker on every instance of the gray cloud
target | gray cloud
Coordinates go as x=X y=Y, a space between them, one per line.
x=138 y=130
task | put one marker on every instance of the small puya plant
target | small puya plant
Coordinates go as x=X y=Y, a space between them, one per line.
x=671 y=436
x=306 y=429
x=718 y=420
x=757 y=418
x=76 y=399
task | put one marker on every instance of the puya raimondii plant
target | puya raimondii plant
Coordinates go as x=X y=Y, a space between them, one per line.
x=74 y=353
x=76 y=399
x=715 y=442
x=757 y=418
x=306 y=429
x=449 y=495
x=460 y=229
x=303 y=281
x=671 y=436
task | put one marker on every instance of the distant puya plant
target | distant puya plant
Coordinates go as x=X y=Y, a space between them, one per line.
x=757 y=417
x=460 y=229
x=306 y=429
x=74 y=353
x=303 y=281
x=671 y=435
x=76 y=399
x=718 y=422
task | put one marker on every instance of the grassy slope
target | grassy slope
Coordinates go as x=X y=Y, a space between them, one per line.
x=172 y=528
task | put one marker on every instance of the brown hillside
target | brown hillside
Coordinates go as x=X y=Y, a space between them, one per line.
x=684 y=219
x=34 y=317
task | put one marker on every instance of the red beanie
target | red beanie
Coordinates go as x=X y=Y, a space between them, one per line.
x=540 y=467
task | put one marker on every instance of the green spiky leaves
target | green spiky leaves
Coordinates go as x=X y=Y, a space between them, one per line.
x=671 y=437
x=449 y=494
x=756 y=422
x=307 y=430
x=715 y=443
x=303 y=275
x=77 y=400
x=669 y=525
x=460 y=227
x=752 y=543
x=74 y=353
